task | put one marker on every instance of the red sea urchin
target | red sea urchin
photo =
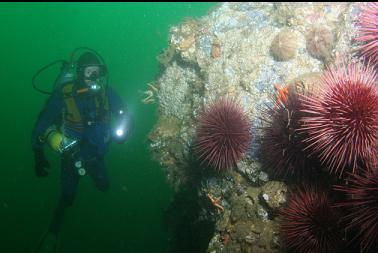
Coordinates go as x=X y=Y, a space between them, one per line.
x=341 y=123
x=362 y=206
x=282 y=147
x=368 y=31
x=223 y=134
x=308 y=224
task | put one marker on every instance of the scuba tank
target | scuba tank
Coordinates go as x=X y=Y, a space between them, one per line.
x=66 y=75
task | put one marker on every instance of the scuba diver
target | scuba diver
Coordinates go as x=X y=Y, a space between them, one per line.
x=79 y=120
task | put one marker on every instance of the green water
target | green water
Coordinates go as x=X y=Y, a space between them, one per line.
x=129 y=36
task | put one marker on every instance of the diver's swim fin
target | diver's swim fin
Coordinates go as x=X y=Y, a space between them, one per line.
x=47 y=244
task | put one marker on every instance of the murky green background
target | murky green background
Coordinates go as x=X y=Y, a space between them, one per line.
x=129 y=36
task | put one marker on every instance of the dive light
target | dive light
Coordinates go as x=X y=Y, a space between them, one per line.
x=121 y=127
x=94 y=87
x=94 y=84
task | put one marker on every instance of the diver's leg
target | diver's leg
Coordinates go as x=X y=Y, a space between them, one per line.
x=69 y=183
x=97 y=170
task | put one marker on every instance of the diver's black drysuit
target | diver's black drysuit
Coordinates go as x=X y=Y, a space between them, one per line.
x=93 y=135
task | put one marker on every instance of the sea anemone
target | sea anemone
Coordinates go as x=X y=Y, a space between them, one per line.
x=282 y=147
x=341 y=123
x=309 y=223
x=368 y=31
x=223 y=134
x=362 y=206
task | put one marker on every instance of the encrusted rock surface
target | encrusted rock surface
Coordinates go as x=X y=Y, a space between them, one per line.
x=228 y=53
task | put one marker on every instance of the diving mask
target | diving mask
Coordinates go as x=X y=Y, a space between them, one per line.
x=92 y=77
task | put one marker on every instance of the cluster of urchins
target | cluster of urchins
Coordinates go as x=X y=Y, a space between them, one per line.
x=323 y=141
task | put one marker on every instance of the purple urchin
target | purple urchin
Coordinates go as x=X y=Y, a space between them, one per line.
x=341 y=123
x=368 y=31
x=223 y=134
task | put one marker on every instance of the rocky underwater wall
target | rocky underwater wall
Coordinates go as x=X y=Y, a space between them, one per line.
x=248 y=52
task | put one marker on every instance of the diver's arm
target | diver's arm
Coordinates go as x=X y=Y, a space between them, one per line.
x=121 y=117
x=50 y=112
